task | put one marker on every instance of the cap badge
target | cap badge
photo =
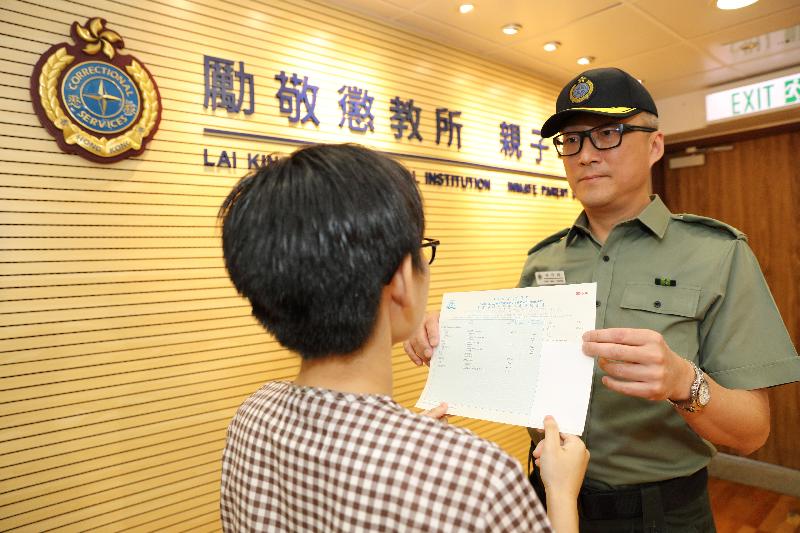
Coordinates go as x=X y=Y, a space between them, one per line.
x=582 y=90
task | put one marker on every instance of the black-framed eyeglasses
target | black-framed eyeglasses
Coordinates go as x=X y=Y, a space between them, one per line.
x=602 y=137
x=428 y=247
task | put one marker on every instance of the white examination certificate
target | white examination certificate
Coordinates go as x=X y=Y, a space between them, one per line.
x=514 y=356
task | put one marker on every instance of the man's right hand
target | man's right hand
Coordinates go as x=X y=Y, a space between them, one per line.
x=420 y=345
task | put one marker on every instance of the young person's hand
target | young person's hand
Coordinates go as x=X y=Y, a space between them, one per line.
x=439 y=412
x=562 y=459
x=420 y=346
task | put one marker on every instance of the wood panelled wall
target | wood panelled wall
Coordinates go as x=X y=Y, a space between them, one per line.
x=755 y=188
x=124 y=350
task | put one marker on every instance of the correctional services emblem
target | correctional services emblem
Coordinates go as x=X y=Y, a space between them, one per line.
x=581 y=91
x=97 y=103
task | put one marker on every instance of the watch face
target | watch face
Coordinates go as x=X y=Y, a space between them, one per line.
x=703 y=395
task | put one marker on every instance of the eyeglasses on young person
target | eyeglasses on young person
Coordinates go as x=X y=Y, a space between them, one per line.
x=428 y=247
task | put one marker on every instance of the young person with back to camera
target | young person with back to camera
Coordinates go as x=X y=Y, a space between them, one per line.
x=327 y=245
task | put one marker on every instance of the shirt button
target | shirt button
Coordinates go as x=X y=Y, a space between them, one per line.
x=597 y=303
x=657 y=304
x=606 y=258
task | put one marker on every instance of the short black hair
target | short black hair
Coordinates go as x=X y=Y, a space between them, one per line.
x=311 y=239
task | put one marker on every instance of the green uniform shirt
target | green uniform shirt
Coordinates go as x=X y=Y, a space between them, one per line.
x=713 y=307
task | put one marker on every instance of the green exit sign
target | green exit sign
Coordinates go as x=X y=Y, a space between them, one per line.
x=753 y=98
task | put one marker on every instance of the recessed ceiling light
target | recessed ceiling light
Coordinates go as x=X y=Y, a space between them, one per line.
x=586 y=60
x=512 y=29
x=552 y=46
x=734 y=4
x=465 y=8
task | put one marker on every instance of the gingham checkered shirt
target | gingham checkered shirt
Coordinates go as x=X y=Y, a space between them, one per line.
x=303 y=459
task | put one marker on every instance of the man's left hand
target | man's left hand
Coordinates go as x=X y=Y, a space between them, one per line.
x=638 y=362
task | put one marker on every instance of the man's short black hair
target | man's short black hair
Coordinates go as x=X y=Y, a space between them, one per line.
x=311 y=240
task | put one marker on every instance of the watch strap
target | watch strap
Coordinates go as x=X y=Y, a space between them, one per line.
x=692 y=404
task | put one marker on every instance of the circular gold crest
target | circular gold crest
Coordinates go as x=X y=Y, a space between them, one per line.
x=65 y=113
x=581 y=91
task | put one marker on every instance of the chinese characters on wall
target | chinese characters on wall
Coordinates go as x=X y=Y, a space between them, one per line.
x=292 y=99
x=219 y=84
x=232 y=89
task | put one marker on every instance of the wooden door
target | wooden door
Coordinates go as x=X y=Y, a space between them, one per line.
x=756 y=188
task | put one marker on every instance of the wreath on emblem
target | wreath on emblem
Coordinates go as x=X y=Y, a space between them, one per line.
x=581 y=91
x=96 y=102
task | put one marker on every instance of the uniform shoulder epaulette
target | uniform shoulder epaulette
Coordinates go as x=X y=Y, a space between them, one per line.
x=711 y=223
x=555 y=237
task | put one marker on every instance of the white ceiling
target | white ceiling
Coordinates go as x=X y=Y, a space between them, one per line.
x=674 y=46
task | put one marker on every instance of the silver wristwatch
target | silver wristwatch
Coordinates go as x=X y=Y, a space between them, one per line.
x=699 y=394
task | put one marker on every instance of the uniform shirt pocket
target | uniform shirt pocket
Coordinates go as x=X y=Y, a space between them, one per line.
x=676 y=301
x=671 y=311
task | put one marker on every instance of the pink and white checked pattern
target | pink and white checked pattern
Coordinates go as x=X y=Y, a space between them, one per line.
x=302 y=459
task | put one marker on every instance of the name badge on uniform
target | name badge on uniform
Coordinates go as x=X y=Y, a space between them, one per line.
x=551 y=277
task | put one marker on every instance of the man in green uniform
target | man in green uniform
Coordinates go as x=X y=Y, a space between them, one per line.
x=688 y=335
